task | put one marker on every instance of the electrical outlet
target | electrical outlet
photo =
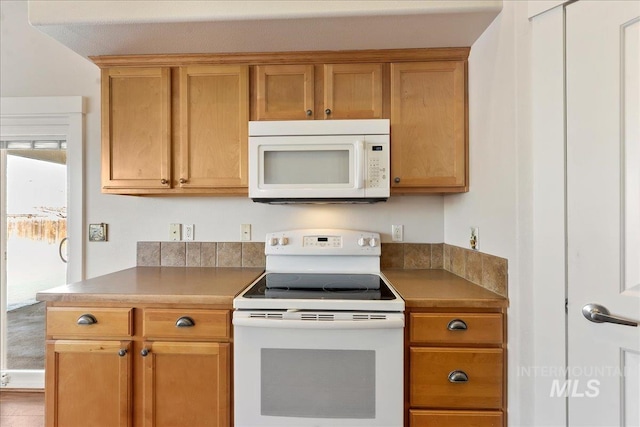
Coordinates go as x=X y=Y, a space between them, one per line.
x=188 y=230
x=397 y=233
x=245 y=232
x=474 y=238
x=174 y=232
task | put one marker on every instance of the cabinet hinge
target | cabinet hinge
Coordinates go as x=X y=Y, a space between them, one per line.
x=566 y=305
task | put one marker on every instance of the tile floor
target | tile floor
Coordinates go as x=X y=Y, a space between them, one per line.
x=21 y=409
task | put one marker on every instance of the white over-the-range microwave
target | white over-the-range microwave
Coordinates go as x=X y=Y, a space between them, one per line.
x=311 y=161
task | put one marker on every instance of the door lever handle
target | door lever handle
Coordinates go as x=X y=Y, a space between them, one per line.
x=599 y=314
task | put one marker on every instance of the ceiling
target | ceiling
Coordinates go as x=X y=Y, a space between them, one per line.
x=99 y=28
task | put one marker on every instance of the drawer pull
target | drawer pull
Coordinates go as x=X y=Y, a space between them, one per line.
x=122 y=352
x=458 y=377
x=87 y=319
x=144 y=352
x=457 y=325
x=185 y=322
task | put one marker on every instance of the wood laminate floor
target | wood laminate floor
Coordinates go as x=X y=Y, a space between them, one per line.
x=21 y=409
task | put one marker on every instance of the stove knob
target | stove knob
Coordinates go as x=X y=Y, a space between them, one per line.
x=272 y=241
x=373 y=242
x=283 y=241
x=363 y=241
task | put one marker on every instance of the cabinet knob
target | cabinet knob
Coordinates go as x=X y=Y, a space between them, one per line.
x=164 y=181
x=87 y=319
x=396 y=179
x=458 y=377
x=457 y=325
x=183 y=181
x=185 y=322
x=122 y=352
x=327 y=111
x=309 y=112
x=144 y=352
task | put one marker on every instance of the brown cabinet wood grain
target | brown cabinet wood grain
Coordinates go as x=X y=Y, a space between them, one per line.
x=214 y=112
x=345 y=91
x=157 y=374
x=429 y=127
x=136 y=128
x=420 y=418
x=456 y=328
x=187 y=384
x=88 y=383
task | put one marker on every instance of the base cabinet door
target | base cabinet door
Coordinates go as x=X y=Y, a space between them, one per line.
x=455 y=419
x=186 y=384
x=88 y=383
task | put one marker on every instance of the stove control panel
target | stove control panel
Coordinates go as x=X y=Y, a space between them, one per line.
x=323 y=242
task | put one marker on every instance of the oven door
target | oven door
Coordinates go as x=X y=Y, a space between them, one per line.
x=318 y=372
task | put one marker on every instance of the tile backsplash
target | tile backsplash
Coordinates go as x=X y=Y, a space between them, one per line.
x=486 y=270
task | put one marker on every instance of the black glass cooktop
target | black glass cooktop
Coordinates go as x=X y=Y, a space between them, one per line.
x=320 y=286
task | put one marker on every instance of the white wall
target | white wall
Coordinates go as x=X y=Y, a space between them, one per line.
x=32 y=64
x=499 y=201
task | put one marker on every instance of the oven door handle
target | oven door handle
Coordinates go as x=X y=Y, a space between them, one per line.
x=319 y=324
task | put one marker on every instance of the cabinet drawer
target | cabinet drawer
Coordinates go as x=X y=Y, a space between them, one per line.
x=455 y=419
x=431 y=387
x=89 y=322
x=456 y=328
x=191 y=324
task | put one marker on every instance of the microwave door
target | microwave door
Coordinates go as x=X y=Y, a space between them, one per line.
x=292 y=168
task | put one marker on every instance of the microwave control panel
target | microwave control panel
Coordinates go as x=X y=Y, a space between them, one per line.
x=377 y=165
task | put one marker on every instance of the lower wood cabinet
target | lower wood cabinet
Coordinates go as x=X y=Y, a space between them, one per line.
x=456 y=368
x=138 y=366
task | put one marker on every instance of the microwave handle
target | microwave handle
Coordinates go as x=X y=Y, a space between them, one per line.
x=359 y=164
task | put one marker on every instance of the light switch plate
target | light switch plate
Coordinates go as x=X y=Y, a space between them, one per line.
x=174 y=232
x=246 y=232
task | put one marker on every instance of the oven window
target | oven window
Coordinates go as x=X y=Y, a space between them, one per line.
x=306 y=167
x=318 y=383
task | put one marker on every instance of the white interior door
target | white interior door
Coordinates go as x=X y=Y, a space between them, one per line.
x=603 y=210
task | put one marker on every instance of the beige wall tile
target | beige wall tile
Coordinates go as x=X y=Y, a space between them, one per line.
x=392 y=255
x=446 y=257
x=229 y=254
x=253 y=254
x=458 y=261
x=172 y=254
x=208 y=254
x=148 y=254
x=417 y=255
x=437 y=255
x=494 y=274
x=473 y=266
x=193 y=254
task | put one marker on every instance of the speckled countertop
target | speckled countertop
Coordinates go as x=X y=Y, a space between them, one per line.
x=210 y=285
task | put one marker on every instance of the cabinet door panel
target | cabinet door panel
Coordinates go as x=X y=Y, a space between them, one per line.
x=284 y=92
x=136 y=110
x=214 y=111
x=88 y=383
x=187 y=384
x=428 y=125
x=353 y=91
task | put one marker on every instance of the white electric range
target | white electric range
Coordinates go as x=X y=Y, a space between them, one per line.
x=318 y=338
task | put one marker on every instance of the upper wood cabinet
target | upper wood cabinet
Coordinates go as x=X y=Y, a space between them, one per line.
x=429 y=127
x=186 y=134
x=136 y=128
x=214 y=111
x=347 y=91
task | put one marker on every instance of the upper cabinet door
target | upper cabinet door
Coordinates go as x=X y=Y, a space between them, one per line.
x=353 y=91
x=214 y=111
x=429 y=127
x=284 y=92
x=136 y=108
